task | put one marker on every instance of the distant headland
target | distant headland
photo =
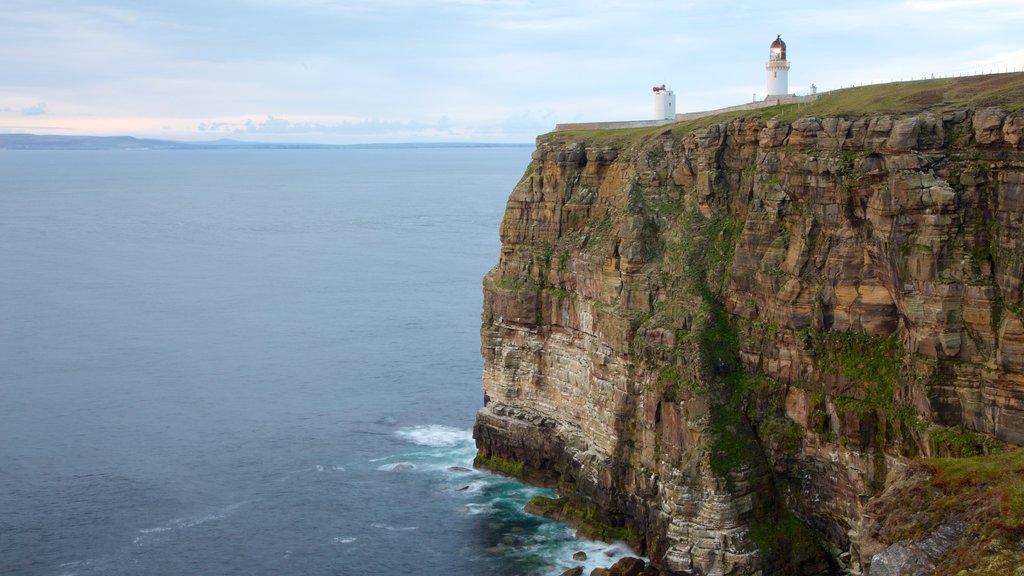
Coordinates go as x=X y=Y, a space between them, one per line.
x=67 y=142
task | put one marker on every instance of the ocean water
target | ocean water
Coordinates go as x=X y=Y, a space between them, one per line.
x=254 y=362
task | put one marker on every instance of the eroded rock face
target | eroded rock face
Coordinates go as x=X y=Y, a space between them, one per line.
x=717 y=339
x=917 y=558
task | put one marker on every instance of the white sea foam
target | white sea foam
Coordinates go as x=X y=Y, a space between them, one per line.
x=617 y=549
x=343 y=540
x=397 y=467
x=71 y=568
x=146 y=534
x=478 y=509
x=338 y=468
x=395 y=528
x=472 y=488
x=447 y=455
x=196 y=521
x=599 y=554
x=435 y=435
x=319 y=468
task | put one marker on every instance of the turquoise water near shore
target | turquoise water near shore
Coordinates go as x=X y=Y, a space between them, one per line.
x=254 y=362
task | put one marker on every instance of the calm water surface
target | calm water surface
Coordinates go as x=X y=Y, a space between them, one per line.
x=253 y=362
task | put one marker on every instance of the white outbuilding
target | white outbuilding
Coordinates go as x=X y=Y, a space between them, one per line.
x=664 y=103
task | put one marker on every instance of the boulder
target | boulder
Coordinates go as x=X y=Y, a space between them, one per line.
x=988 y=125
x=628 y=566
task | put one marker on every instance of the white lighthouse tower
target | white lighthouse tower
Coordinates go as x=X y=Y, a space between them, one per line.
x=778 y=69
x=664 y=103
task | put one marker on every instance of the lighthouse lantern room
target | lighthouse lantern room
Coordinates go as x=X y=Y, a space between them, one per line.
x=778 y=69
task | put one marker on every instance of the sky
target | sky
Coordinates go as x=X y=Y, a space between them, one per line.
x=378 y=71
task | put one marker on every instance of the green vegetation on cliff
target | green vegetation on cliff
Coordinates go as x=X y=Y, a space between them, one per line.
x=774 y=313
x=583 y=517
x=501 y=465
x=872 y=360
x=983 y=495
x=746 y=409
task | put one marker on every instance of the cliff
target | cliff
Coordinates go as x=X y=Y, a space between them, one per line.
x=743 y=342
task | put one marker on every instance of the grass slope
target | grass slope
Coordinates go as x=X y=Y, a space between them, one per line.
x=984 y=492
x=1006 y=90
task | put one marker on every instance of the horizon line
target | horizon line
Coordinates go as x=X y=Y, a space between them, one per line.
x=32 y=141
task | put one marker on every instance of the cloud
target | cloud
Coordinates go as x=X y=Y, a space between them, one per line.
x=34 y=110
x=344 y=71
x=935 y=5
x=273 y=125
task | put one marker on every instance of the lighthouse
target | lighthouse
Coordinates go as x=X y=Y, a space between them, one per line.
x=664 y=103
x=778 y=69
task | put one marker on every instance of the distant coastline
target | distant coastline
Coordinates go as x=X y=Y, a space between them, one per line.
x=58 y=142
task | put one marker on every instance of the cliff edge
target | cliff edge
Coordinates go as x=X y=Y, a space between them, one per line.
x=788 y=341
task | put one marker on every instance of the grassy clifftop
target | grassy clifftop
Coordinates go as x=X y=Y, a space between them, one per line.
x=939 y=95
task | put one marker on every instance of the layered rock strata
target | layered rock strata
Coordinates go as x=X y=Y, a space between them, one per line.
x=725 y=339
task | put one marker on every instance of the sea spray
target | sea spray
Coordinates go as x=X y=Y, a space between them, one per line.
x=534 y=545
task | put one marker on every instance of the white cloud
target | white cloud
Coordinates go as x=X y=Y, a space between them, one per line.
x=374 y=69
x=34 y=110
x=936 y=5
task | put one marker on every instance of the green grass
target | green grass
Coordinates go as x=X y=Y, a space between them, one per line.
x=671 y=383
x=530 y=169
x=681 y=129
x=615 y=137
x=872 y=362
x=502 y=465
x=585 y=519
x=506 y=283
x=1006 y=90
x=733 y=444
x=783 y=535
x=984 y=492
x=958 y=442
x=938 y=95
x=781 y=433
x=547 y=502
x=559 y=293
x=990 y=485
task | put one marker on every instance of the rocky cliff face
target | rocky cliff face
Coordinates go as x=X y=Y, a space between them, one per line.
x=726 y=340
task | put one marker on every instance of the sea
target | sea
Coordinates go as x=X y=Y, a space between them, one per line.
x=254 y=362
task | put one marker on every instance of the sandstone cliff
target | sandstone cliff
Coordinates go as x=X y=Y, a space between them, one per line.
x=729 y=340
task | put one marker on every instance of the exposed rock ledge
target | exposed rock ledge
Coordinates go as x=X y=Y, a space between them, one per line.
x=731 y=337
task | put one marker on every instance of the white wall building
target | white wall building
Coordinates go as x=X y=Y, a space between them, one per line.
x=778 y=69
x=664 y=103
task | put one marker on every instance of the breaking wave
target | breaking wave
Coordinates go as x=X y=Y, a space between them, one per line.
x=435 y=435
x=534 y=545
